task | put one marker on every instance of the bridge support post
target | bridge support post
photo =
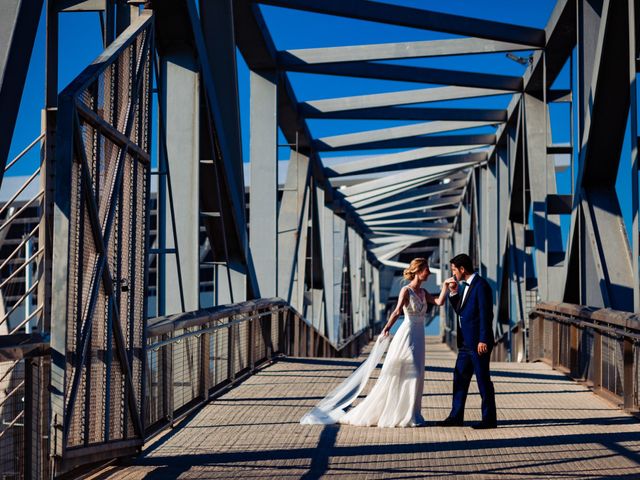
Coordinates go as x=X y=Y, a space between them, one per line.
x=292 y=230
x=263 y=200
x=180 y=106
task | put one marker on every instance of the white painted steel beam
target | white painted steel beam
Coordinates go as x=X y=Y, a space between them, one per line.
x=264 y=180
x=426 y=128
x=394 y=51
x=390 y=99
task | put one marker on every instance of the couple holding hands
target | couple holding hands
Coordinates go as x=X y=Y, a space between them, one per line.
x=396 y=398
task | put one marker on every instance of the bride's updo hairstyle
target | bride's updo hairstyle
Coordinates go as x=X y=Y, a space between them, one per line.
x=416 y=265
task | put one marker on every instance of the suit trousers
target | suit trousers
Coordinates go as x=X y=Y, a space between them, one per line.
x=468 y=363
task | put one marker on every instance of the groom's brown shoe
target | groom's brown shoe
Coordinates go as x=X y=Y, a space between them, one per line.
x=449 y=422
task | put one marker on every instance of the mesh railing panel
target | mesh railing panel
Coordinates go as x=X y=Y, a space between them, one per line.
x=234 y=345
x=604 y=349
x=155 y=386
x=259 y=344
x=219 y=356
x=186 y=370
x=547 y=338
x=612 y=368
x=275 y=331
x=106 y=111
x=564 y=357
x=636 y=372
x=241 y=342
x=586 y=346
x=12 y=418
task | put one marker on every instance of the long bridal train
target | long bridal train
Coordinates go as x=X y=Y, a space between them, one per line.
x=396 y=397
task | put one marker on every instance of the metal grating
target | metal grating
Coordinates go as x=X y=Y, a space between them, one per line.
x=154 y=408
x=186 y=370
x=275 y=331
x=547 y=334
x=12 y=390
x=106 y=111
x=586 y=345
x=612 y=369
x=259 y=344
x=219 y=356
x=240 y=347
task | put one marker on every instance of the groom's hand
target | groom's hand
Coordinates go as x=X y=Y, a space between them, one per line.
x=482 y=348
x=453 y=285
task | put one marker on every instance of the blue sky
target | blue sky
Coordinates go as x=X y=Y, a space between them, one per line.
x=80 y=43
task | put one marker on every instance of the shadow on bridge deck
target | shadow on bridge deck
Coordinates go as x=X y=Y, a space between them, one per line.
x=550 y=427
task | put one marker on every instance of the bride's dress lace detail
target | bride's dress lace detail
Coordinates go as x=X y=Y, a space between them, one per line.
x=396 y=397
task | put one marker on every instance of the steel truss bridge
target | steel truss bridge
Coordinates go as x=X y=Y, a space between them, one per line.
x=140 y=276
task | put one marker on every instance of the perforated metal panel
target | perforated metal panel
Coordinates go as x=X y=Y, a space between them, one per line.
x=99 y=302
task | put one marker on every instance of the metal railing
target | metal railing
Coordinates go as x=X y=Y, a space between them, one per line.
x=192 y=357
x=600 y=347
x=24 y=406
x=19 y=265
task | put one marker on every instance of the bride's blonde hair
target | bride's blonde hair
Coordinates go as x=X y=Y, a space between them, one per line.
x=416 y=265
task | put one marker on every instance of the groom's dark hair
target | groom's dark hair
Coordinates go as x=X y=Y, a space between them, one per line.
x=463 y=260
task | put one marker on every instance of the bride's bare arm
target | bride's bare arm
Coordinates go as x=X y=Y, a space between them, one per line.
x=441 y=298
x=402 y=300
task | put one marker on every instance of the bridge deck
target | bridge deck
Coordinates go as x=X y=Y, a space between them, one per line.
x=550 y=427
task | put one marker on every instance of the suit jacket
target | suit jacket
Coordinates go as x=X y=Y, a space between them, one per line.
x=476 y=314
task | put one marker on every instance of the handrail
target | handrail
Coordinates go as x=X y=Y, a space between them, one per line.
x=168 y=323
x=24 y=152
x=194 y=356
x=592 y=315
x=598 y=346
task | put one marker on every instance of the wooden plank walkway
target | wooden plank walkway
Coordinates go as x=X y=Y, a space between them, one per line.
x=549 y=427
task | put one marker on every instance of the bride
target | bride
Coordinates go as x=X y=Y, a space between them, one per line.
x=396 y=397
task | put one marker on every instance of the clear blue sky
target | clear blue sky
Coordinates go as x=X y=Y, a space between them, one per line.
x=80 y=43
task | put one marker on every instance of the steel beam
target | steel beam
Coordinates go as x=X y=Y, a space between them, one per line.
x=605 y=260
x=405 y=176
x=404 y=73
x=219 y=43
x=393 y=99
x=387 y=134
x=180 y=104
x=264 y=180
x=369 y=198
x=435 y=158
x=458 y=181
x=425 y=206
x=412 y=142
x=18 y=27
x=394 y=51
x=634 y=12
x=419 y=18
x=416 y=192
x=542 y=180
x=416 y=113
x=292 y=226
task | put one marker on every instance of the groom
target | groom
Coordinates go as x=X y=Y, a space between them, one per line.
x=473 y=304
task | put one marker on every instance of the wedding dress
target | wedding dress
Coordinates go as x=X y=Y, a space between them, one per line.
x=396 y=397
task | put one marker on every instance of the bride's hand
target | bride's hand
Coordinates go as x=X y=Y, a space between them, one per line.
x=385 y=331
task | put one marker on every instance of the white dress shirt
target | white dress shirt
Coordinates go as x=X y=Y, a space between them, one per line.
x=464 y=294
x=466 y=289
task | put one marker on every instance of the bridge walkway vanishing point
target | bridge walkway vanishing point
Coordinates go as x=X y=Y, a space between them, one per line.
x=549 y=427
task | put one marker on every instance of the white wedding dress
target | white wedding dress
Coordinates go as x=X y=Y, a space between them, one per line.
x=396 y=398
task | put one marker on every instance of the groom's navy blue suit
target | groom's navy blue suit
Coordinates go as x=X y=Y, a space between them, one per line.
x=474 y=325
